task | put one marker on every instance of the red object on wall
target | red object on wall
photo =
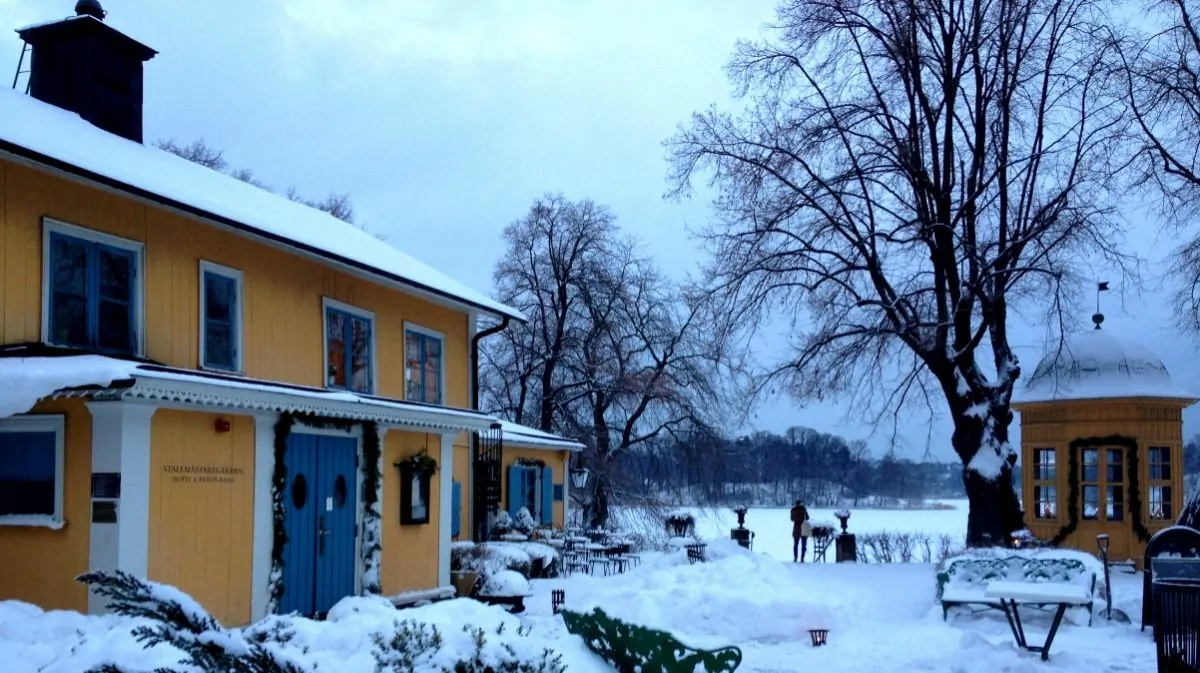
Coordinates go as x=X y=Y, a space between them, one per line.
x=221 y=425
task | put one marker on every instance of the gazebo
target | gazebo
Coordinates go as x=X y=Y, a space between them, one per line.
x=1101 y=444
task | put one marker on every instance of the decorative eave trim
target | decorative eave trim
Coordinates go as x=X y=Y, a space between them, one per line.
x=248 y=401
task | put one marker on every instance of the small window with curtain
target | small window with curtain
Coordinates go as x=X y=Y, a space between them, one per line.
x=92 y=290
x=220 y=317
x=31 y=471
x=423 y=351
x=349 y=348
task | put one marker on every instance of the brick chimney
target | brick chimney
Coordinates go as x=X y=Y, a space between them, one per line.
x=84 y=65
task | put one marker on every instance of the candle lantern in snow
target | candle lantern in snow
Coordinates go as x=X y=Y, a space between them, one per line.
x=819 y=636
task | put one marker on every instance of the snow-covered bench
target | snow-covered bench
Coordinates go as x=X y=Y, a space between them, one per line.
x=411 y=599
x=963 y=581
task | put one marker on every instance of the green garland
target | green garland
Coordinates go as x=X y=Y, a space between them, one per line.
x=1131 y=467
x=421 y=462
x=372 y=544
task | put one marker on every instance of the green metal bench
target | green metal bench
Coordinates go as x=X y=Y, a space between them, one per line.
x=964 y=580
x=630 y=648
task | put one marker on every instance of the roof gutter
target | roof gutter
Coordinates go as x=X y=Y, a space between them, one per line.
x=480 y=336
x=29 y=155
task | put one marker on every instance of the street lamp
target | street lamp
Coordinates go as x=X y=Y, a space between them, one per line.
x=579 y=477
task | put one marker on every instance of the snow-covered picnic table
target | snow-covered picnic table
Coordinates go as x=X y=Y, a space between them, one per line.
x=1012 y=594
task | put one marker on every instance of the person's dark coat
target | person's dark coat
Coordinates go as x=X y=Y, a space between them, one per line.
x=799 y=516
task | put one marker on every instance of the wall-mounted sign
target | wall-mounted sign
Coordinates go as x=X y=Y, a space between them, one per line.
x=106 y=485
x=203 y=474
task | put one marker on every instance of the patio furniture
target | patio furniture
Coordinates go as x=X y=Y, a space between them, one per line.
x=629 y=647
x=1013 y=594
x=965 y=579
x=1177 y=542
x=695 y=552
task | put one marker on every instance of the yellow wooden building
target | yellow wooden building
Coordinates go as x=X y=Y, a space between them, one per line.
x=533 y=471
x=204 y=383
x=1101 y=444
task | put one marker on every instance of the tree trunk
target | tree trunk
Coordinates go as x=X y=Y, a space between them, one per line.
x=995 y=511
x=598 y=507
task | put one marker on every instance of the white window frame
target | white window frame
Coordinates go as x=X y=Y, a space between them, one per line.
x=235 y=275
x=42 y=423
x=432 y=333
x=326 y=304
x=53 y=226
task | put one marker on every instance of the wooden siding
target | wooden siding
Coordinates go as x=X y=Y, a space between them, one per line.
x=1055 y=426
x=201 y=526
x=284 y=321
x=556 y=460
x=40 y=564
x=410 y=553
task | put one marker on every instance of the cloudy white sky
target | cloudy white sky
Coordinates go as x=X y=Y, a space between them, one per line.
x=444 y=119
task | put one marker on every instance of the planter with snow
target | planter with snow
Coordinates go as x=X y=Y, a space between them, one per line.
x=506 y=588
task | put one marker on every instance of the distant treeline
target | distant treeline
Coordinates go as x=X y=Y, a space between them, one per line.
x=768 y=469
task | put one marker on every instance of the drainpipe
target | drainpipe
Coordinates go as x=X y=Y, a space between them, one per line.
x=479 y=336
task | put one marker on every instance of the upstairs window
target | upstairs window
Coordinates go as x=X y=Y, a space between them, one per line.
x=349 y=348
x=220 y=317
x=92 y=290
x=423 y=365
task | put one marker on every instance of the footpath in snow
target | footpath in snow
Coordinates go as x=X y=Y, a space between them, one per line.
x=880 y=617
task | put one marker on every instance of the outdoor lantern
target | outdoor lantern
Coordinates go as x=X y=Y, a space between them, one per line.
x=819 y=636
x=579 y=477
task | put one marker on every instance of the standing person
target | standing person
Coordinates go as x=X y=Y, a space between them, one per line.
x=800 y=530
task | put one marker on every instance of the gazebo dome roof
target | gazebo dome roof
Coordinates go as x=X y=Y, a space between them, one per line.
x=1095 y=365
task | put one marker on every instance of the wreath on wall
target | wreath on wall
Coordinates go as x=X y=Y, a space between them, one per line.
x=372 y=514
x=1134 y=493
x=421 y=462
x=530 y=462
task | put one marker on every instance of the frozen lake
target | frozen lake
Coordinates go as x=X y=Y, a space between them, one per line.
x=773 y=527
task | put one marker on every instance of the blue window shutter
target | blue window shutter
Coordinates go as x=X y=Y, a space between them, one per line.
x=516 y=489
x=547 y=495
x=456 y=509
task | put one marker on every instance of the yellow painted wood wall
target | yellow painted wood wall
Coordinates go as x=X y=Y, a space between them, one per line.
x=410 y=553
x=201 y=529
x=1045 y=426
x=284 y=321
x=556 y=460
x=462 y=474
x=40 y=564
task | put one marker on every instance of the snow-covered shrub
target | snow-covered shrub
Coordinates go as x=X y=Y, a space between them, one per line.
x=524 y=522
x=502 y=525
x=506 y=583
x=545 y=561
x=413 y=647
x=892 y=547
x=179 y=621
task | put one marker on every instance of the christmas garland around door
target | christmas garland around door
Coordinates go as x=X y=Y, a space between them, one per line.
x=1134 y=494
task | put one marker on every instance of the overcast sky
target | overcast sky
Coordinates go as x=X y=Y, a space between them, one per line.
x=445 y=119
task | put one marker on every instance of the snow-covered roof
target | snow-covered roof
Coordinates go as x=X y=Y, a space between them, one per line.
x=29 y=379
x=521 y=435
x=1097 y=364
x=62 y=140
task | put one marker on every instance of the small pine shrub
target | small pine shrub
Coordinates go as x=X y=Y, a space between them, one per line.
x=179 y=621
x=412 y=646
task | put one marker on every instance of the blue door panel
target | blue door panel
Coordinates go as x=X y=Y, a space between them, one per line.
x=300 y=524
x=516 y=489
x=337 y=500
x=547 y=489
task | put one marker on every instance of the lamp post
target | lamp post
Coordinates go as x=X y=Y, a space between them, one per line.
x=579 y=478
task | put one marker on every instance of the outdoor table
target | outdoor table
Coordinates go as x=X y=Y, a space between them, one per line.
x=1011 y=594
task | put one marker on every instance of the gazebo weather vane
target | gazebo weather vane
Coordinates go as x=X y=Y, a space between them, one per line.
x=1098 y=317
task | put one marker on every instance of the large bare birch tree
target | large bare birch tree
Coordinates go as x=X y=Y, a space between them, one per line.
x=903 y=173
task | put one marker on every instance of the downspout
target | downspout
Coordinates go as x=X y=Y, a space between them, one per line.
x=478 y=337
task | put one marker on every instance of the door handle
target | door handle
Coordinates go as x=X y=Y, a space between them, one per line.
x=321 y=533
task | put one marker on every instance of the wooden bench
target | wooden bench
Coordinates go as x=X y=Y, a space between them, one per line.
x=629 y=647
x=412 y=599
x=964 y=580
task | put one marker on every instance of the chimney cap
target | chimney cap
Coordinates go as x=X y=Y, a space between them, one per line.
x=90 y=8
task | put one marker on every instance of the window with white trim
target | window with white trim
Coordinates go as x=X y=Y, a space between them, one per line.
x=220 y=317
x=423 y=370
x=92 y=290
x=349 y=348
x=31 y=470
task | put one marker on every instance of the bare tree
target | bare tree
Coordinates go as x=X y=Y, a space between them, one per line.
x=337 y=205
x=1162 y=64
x=904 y=171
x=609 y=355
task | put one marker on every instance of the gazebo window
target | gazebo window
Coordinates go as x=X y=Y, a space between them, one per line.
x=1114 y=494
x=1045 y=490
x=1161 y=507
x=1091 y=485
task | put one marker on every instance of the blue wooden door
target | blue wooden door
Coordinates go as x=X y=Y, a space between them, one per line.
x=335 y=520
x=319 y=518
